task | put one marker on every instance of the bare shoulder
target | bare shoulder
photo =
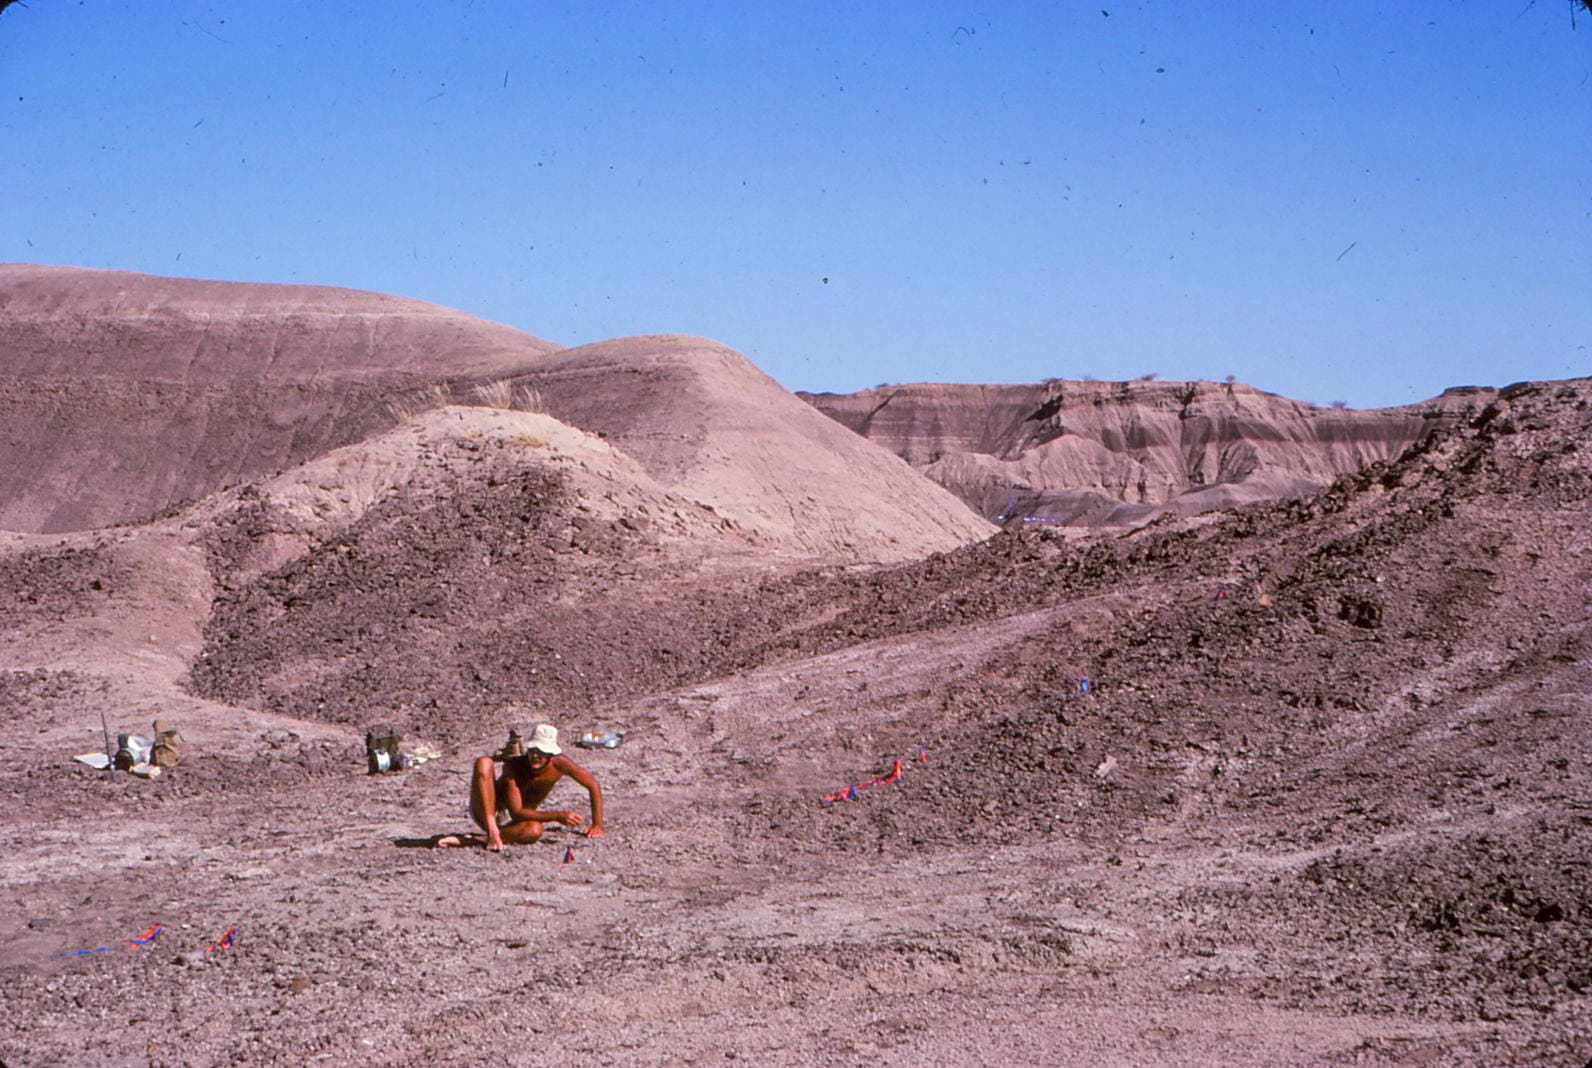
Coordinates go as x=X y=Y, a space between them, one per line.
x=566 y=766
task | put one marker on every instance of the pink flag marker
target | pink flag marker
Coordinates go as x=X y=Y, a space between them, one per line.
x=227 y=940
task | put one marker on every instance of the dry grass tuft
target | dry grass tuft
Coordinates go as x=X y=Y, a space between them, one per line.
x=498 y=394
x=405 y=407
x=506 y=396
x=501 y=394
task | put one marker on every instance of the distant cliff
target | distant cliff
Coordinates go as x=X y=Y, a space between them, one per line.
x=1117 y=453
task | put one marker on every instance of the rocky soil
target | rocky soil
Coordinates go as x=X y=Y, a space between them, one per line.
x=1327 y=800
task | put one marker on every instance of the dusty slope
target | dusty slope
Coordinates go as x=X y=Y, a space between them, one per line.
x=130 y=605
x=70 y=321
x=709 y=425
x=1118 y=453
x=514 y=561
x=124 y=393
x=1337 y=815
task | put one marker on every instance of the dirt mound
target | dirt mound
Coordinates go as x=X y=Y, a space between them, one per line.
x=482 y=571
x=1119 y=453
x=465 y=566
x=125 y=393
x=709 y=425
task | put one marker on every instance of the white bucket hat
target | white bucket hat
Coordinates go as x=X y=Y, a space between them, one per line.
x=545 y=738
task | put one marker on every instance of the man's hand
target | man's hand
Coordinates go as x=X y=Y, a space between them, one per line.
x=569 y=819
x=595 y=831
x=494 y=843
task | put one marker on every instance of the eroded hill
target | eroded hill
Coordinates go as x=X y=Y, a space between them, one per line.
x=123 y=394
x=704 y=421
x=126 y=395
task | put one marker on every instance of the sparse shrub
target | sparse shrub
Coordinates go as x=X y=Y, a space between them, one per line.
x=1340 y=405
x=1149 y=376
x=528 y=398
x=1231 y=380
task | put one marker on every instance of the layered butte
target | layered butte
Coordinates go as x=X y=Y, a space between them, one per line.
x=1111 y=453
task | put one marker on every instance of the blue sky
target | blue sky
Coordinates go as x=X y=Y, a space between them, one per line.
x=1360 y=202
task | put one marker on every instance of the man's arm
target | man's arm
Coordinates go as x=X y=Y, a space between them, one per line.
x=515 y=805
x=593 y=791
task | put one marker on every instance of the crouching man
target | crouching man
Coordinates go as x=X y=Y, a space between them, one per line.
x=507 y=807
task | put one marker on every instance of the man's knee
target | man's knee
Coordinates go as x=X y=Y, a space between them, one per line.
x=522 y=832
x=484 y=767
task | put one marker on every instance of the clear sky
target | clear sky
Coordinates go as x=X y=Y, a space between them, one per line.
x=1345 y=201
